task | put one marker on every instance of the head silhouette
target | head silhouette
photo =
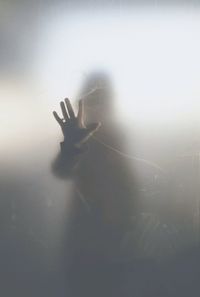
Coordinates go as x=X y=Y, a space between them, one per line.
x=98 y=97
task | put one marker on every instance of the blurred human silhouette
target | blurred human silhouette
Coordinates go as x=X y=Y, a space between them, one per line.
x=105 y=201
x=89 y=154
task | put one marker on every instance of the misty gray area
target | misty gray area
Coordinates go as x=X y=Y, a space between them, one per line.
x=149 y=176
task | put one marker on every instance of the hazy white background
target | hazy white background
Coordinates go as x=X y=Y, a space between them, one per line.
x=151 y=53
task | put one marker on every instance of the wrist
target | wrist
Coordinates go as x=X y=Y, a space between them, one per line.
x=72 y=148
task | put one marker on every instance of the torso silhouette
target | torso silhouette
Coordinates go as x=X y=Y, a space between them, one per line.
x=105 y=196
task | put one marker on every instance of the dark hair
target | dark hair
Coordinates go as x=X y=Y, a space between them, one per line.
x=97 y=89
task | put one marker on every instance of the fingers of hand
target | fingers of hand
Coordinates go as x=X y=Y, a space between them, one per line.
x=64 y=111
x=69 y=108
x=67 y=113
x=58 y=119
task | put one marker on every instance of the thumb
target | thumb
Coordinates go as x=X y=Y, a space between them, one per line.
x=91 y=128
x=89 y=131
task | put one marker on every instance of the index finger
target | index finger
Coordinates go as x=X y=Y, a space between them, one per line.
x=58 y=119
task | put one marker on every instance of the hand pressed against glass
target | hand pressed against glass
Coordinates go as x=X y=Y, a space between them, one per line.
x=74 y=130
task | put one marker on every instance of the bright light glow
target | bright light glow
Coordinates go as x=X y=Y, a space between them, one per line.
x=152 y=58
